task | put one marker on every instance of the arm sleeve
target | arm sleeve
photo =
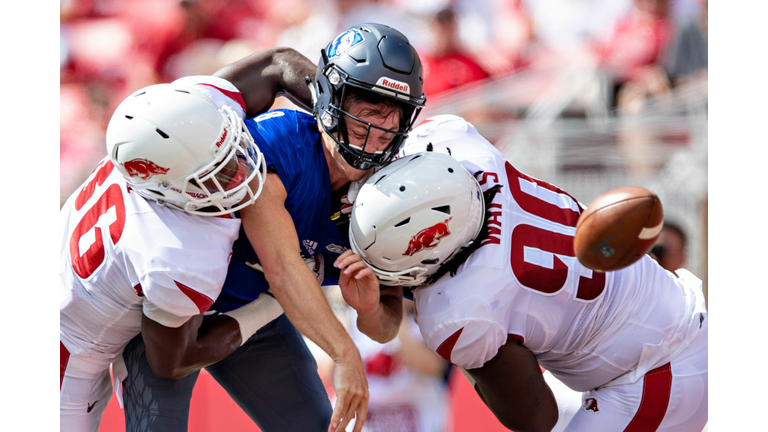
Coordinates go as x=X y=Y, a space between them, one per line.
x=467 y=344
x=172 y=299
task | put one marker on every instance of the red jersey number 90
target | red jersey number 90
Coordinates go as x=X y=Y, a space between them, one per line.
x=86 y=244
x=547 y=280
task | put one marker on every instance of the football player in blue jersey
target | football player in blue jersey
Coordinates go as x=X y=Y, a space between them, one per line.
x=366 y=95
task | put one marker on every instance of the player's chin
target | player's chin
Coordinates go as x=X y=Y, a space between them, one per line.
x=354 y=174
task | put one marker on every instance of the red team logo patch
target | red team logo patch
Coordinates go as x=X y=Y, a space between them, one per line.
x=590 y=405
x=143 y=168
x=428 y=237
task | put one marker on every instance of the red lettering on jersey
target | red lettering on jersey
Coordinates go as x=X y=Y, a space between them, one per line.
x=85 y=263
x=544 y=279
x=202 y=301
x=550 y=279
x=536 y=206
x=494 y=226
x=139 y=290
x=446 y=347
x=534 y=276
x=484 y=178
x=102 y=172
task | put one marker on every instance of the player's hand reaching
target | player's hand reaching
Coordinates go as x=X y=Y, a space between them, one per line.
x=351 y=387
x=359 y=285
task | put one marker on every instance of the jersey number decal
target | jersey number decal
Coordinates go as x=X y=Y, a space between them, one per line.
x=538 y=199
x=86 y=245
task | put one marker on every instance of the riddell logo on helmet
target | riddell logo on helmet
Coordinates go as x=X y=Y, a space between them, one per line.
x=221 y=140
x=428 y=237
x=143 y=168
x=394 y=84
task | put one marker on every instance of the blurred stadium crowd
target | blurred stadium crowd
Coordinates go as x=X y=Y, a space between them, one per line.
x=110 y=48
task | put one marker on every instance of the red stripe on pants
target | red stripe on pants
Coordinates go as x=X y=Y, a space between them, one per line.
x=657 y=385
x=63 y=360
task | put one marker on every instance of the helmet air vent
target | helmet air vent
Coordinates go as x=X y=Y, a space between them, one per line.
x=162 y=134
x=403 y=222
x=443 y=209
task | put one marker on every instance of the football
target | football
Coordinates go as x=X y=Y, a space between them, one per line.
x=618 y=228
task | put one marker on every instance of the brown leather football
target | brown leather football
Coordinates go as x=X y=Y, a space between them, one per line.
x=618 y=228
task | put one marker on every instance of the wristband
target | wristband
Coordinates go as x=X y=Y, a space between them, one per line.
x=255 y=315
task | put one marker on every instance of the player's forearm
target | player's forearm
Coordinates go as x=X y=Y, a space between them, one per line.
x=295 y=68
x=174 y=353
x=262 y=76
x=304 y=303
x=383 y=323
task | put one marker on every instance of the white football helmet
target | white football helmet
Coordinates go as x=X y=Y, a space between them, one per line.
x=414 y=215
x=173 y=145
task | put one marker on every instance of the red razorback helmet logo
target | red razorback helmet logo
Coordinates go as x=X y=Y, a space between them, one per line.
x=143 y=168
x=428 y=237
x=591 y=405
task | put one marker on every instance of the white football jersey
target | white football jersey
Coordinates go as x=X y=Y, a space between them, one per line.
x=122 y=255
x=525 y=283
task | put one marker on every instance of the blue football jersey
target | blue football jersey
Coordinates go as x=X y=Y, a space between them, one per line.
x=292 y=147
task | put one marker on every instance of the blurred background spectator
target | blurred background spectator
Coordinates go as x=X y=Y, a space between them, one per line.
x=671 y=248
x=407 y=381
x=447 y=64
x=588 y=94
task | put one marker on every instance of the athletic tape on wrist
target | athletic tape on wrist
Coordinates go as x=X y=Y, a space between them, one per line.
x=255 y=315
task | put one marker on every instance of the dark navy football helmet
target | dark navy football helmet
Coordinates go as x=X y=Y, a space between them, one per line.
x=376 y=64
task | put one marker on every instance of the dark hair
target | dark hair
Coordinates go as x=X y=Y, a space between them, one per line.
x=387 y=105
